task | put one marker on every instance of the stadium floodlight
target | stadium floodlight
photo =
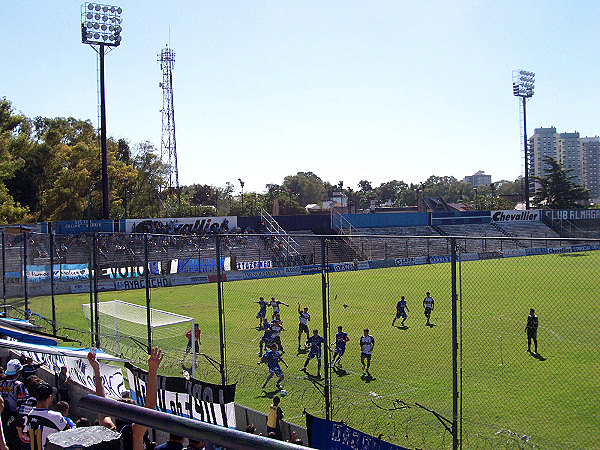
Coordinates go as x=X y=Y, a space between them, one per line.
x=523 y=86
x=101 y=27
x=242 y=185
x=105 y=20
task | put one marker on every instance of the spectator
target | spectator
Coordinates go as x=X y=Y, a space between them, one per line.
x=175 y=442
x=63 y=384
x=14 y=395
x=41 y=422
x=251 y=429
x=137 y=431
x=195 y=445
x=63 y=408
x=274 y=418
x=2 y=440
x=82 y=422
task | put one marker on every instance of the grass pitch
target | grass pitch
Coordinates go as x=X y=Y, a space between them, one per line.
x=551 y=397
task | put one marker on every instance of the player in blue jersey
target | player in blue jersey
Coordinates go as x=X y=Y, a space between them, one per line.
x=314 y=342
x=401 y=310
x=262 y=312
x=272 y=358
x=266 y=339
x=340 y=348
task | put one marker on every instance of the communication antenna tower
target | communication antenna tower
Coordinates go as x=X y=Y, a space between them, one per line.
x=168 y=146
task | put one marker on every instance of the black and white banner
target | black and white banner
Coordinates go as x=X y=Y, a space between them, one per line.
x=193 y=399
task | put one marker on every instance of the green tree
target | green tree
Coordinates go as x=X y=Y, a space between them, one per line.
x=306 y=187
x=557 y=190
x=14 y=141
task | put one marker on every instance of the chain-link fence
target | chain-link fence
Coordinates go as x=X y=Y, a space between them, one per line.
x=502 y=394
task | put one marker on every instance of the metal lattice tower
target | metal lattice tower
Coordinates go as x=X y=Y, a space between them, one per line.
x=168 y=146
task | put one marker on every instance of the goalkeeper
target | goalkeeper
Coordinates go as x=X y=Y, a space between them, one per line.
x=188 y=350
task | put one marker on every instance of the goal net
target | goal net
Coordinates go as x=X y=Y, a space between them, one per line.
x=123 y=330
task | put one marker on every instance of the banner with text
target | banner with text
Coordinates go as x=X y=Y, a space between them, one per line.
x=182 y=225
x=81 y=372
x=532 y=215
x=190 y=398
x=339 y=436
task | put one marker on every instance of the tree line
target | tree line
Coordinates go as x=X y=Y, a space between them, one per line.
x=50 y=169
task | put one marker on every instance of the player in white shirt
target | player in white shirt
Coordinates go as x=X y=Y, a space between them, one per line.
x=428 y=305
x=303 y=318
x=367 y=342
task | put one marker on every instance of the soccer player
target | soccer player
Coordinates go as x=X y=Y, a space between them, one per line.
x=340 y=348
x=531 y=328
x=400 y=310
x=272 y=358
x=188 y=335
x=266 y=339
x=277 y=328
x=428 y=305
x=367 y=342
x=303 y=317
x=262 y=312
x=314 y=342
x=275 y=305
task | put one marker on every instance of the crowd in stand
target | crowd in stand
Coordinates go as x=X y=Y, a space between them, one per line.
x=32 y=410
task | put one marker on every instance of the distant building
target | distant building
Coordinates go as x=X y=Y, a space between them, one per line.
x=478 y=179
x=579 y=155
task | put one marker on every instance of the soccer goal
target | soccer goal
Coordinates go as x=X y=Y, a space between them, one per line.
x=123 y=329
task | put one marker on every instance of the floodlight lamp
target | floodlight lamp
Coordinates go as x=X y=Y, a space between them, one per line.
x=90 y=6
x=97 y=7
x=96 y=35
x=105 y=8
x=119 y=10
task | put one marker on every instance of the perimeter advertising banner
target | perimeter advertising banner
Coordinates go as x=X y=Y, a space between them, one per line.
x=182 y=225
x=531 y=215
x=190 y=398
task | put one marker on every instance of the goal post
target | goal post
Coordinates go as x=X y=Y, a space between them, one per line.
x=124 y=326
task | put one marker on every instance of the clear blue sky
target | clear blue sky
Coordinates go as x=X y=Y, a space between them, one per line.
x=350 y=90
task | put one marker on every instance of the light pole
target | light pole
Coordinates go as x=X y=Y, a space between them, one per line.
x=523 y=84
x=242 y=185
x=100 y=28
x=126 y=179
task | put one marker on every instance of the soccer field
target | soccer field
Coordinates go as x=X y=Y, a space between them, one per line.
x=551 y=398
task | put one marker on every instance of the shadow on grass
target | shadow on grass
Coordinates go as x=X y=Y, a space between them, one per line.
x=572 y=255
x=268 y=394
x=402 y=327
x=302 y=351
x=538 y=356
x=430 y=325
x=339 y=372
x=367 y=377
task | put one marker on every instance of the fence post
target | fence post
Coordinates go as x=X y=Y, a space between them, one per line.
x=4 y=274
x=327 y=386
x=51 y=249
x=147 y=283
x=221 y=312
x=25 y=273
x=96 y=312
x=454 y=347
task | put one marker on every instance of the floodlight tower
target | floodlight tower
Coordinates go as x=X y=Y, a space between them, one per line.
x=168 y=145
x=523 y=84
x=100 y=28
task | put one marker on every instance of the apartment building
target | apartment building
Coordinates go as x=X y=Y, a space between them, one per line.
x=579 y=155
